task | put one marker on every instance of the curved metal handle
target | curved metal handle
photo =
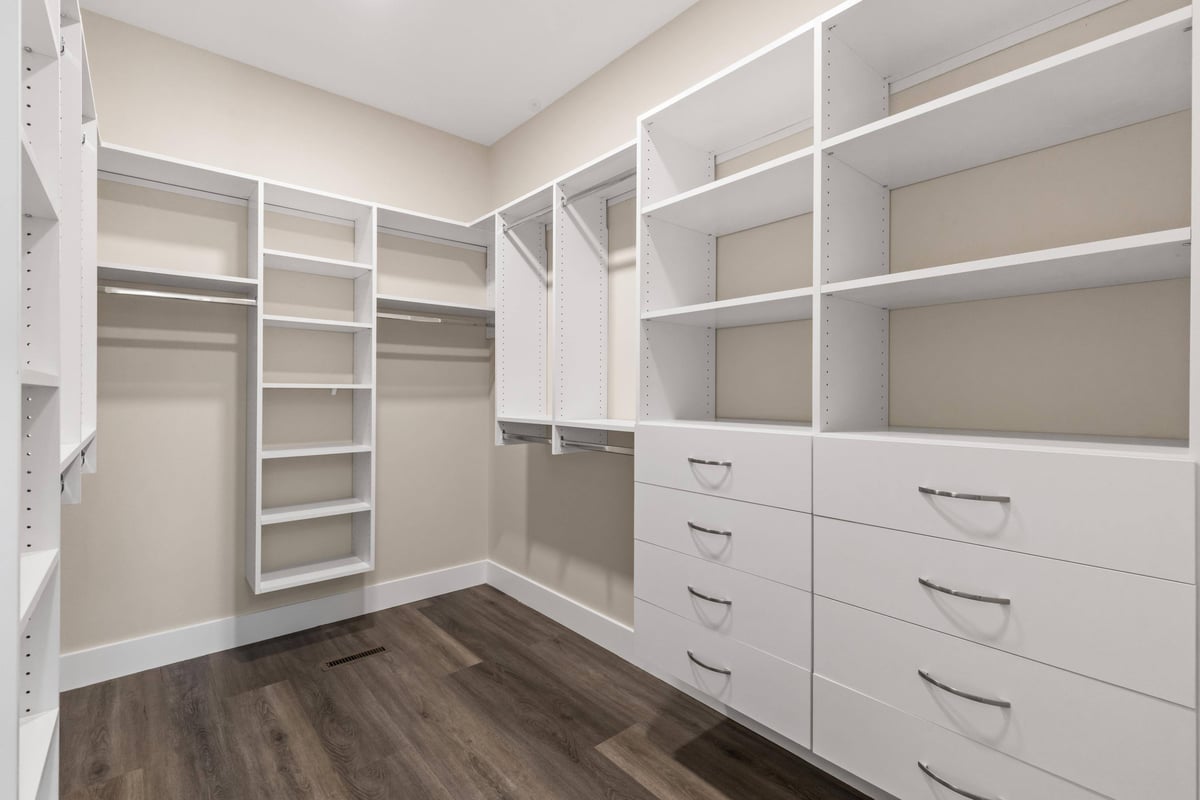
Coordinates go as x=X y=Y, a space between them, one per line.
x=978 y=598
x=710 y=668
x=957 y=790
x=983 y=498
x=708 y=463
x=978 y=698
x=720 y=600
x=703 y=529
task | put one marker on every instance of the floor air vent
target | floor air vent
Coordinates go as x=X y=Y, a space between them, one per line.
x=337 y=662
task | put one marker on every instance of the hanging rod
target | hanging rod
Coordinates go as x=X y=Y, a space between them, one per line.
x=435 y=320
x=508 y=226
x=431 y=238
x=598 y=448
x=521 y=437
x=599 y=187
x=199 y=298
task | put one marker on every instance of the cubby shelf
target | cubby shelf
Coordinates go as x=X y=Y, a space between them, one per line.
x=1058 y=443
x=760 y=309
x=198 y=281
x=313 y=265
x=333 y=387
x=615 y=425
x=1130 y=259
x=70 y=451
x=37 y=377
x=36 y=197
x=745 y=425
x=313 y=573
x=305 y=451
x=302 y=511
x=1132 y=76
x=312 y=324
x=402 y=305
x=35 y=739
x=37 y=567
x=767 y=193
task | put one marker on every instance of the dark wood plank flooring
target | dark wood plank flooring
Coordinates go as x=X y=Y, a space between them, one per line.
x=476 y=697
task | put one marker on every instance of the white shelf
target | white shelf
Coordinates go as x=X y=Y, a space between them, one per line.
x=176 y=279
x=526 y=420
x=1170 y=449
x=395 y=303
x=333 y=387
x=302 y=511
x=36 y=196
x=759 y=309
x=37 y=567
x=37 y=377
x=298 y=262
x=305 y=451
x=1131 y=259
x=39 y=27
x=313 y=573
x=311 y=324
x=35 y=738
x=166 y=173
x=744 y=425
x=1135 y=75
x=776 y=190
x=616 y=425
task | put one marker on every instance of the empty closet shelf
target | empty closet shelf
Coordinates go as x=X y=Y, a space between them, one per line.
x=313 y=324
x=313 y=265
x=37 y=568
x=325 y=508
x=622 y=425
x=35 y=737
x=759 y=309
x=414 y=305
x=313 y=573
x=37 y=199
x=37 y=377
x=305 y=451
x=330 y=386
x=199 y=281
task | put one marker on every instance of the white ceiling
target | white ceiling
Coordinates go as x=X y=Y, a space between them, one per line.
x=474 y=68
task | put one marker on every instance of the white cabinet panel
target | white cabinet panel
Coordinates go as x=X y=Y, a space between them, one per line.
x=1127 y=629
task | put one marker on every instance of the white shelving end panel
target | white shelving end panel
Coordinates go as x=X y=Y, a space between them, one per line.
x=303 y=511
x=37 y=568
x=1137 y=74
x=175 y=279
x=292 y=577
x=761 y=309
x=411 y=305
x=313 y=265
x=313 y=324
x=1113 y=262
x=270 y=452
x=35 y=741
x=776 y=190
x=36 y=197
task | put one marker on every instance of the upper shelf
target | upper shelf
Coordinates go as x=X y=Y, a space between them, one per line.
x=39 y=26
x=387 y=302
x=1131 y=259
x=168 y=173
x=298 y=262
x=177 y=280
x=399 y=222
x=314 y=324
x=758 y=309
x=772 y=191
x=1132 y=76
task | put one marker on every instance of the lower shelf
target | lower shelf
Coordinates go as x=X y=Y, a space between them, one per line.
x=325 y=508
x=312 y=573
x=35 y=738
x=37 y=568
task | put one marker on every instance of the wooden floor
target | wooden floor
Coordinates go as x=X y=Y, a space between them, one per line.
x=476 y=696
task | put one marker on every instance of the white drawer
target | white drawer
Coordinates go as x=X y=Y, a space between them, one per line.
x=1126 y=629
x=771 y=616
x=1113 y=740
x=764 y=688
x=774 y=468
x=771 y=542
x=1132 y=514
x=884 y=746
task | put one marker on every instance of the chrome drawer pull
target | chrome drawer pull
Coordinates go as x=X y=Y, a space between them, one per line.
x=939 y=779
x=987 y=701
x=985 y=498
x=708 y=463
x=979 y=598
x=713 y=531
x=709 y=598
x=699 y=663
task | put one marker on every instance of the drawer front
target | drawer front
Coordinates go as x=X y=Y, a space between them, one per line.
x=767 y=689
x=1115 y=741
x=771 y=542
x=773 y=617
x=1132 y=514
x=774 y=469
x=883 y=746
x=1126 y=629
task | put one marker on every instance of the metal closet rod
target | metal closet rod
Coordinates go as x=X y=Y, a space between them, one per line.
x=599 y=187
x=199 y=298
x=597 y=448
x=521 y=437
x=435 y=320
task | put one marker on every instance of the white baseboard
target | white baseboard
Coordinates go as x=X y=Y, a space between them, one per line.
x=96 y=664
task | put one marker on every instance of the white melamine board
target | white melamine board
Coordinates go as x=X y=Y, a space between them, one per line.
x=333 y=387
x=535 y=202
x=581 y=308
x=325 y=508
x=615 y=170
x=776 y=190
x=37 y=568
x=522 y=320
x=759 y=309
x=1135 y=75
x=165 y=173
x=37 y=197
x=313 y=573
x=760 y=95
x=305 y=451
x=298 y=262
x=277 y=196
x=1131 y=259
x=900 y=37
x=1168 y=449
x=854 y=365
x=853 y=92
x=35 y=741
x=855 y=230
x=525 y=420
x=313 y=324
x=678 y=266
x=397 y=221
x=670 y=166
x=618 y=425
x=397 y=304
x=177 y=280
x=36 y=377
x=39 y=26
x=678 y=378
